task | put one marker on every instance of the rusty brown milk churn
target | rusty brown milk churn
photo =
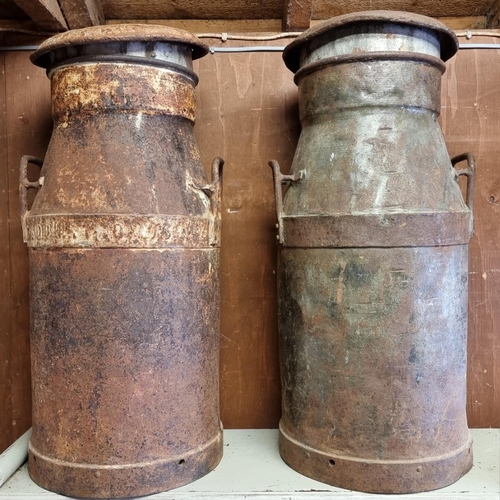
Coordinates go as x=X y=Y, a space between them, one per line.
x=372 y=273
x=124 y=269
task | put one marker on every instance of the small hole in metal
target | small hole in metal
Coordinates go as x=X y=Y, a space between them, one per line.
x=332 y=462
x=419 y=469
x=182 y=462
x=492 y=199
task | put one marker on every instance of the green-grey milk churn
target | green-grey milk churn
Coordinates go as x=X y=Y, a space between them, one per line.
x=372 y=278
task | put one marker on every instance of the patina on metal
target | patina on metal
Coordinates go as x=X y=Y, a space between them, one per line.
x=372 y=274
x=124 y=236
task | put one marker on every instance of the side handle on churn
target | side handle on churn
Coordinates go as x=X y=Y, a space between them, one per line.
x=279 y=180
x=470 y=173
x=25 y=184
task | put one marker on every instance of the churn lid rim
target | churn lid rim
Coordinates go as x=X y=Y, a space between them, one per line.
x=118 y=33
x=448 y=39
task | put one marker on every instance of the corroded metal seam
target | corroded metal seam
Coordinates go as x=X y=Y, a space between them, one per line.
x=126 y=59
x=368 y=57
x=377 y=230
x=90 y=480
x=119 y=231
x=375 y=461
x=358 y=473
x=174 y=459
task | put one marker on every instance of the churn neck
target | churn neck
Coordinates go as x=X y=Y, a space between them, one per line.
x=371 y=35
x=152 y=45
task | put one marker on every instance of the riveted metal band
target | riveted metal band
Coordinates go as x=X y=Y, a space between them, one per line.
x=119 y=231
x=377 y=230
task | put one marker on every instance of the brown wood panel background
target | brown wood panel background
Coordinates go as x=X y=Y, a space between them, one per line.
x=247 y=113
x=5 y=338
x=26 y=128
x=470 y=119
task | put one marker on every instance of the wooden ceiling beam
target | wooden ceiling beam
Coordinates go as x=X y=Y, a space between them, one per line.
x=495 y=15
x=211 y=25
x=274 y=9
x=192 y=9
x=296 y=15
x=82 y=13
x=455 y=23
x=46 y=14
x=24 y=26
x=324 y=9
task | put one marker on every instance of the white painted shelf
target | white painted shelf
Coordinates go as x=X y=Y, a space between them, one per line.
x=252 y=469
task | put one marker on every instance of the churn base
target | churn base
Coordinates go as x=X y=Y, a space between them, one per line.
x=376 y=476
x=139 y=479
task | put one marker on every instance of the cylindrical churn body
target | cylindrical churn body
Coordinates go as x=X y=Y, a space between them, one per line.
x=124 y=261
x=373 y=265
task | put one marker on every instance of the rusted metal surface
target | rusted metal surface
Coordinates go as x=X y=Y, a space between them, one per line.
x=135 y=88
x=145 y=34
x=372 y=273
x=125 y=369
x=124 y=272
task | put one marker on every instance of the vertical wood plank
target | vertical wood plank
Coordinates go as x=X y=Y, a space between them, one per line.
x=29 y=126
x=247 y=113
x=471 y=122
x=5 y=337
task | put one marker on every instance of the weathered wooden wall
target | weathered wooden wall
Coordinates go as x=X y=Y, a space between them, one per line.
x=25 y=127
x=247 y=113
x=470 y=120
